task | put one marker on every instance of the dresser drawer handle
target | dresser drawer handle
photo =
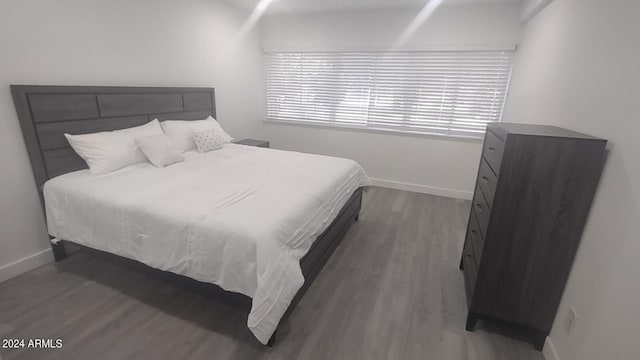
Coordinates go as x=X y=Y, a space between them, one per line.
x=479 y=207
x=485 y=179
x=492 y=149
x=474 y=233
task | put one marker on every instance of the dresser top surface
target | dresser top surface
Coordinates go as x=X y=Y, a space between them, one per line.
x=537 y=130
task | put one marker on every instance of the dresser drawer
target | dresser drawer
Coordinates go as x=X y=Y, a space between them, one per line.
x=487 y=181
x=481 y=209
x=493 y=149
x=474 y=237
x=470 y=270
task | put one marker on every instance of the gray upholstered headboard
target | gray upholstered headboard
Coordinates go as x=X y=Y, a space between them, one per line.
x=47 y=112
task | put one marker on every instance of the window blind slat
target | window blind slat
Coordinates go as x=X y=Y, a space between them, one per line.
x=454 y=93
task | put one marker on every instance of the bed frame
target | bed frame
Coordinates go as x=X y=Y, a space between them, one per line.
x=46 y=113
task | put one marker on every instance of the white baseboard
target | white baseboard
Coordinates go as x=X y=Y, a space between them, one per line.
x=25 y=264
x=424 y=189
x=549 y=350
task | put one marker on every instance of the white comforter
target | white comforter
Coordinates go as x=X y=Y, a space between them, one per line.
x=240 y=217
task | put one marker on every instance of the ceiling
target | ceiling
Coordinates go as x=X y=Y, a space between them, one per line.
x=296 y=6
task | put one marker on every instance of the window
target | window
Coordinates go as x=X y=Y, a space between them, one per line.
x=453 y=93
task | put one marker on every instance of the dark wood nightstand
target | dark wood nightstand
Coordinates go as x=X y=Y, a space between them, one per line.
x=253 y=142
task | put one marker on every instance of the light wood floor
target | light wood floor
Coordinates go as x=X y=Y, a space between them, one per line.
x=392 y=290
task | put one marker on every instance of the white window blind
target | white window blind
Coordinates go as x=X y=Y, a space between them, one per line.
x=454 y=93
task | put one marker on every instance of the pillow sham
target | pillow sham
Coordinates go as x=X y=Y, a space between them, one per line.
x=209 y=140
x=181 y=131
x=160 y=150
x=112 y=150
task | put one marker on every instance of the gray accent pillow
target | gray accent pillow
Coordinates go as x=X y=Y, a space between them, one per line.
x=210 y=140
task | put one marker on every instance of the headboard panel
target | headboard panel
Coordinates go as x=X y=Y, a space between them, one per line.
x=47 y=112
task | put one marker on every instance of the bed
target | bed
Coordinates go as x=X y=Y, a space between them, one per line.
x=190 y=218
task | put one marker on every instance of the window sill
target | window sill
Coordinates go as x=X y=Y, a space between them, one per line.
x=368 y=129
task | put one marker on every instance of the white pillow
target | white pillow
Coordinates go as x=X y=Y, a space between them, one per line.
x=111 y=150
x=160 y=150
x=210 y=140
x=181 y=131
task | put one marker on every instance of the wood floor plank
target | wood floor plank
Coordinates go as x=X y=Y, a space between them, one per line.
x=392 y=290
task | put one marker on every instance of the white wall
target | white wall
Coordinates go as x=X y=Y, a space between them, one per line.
x=532 y=7
x=430 y=164
x=578 y=67
x=114 y=42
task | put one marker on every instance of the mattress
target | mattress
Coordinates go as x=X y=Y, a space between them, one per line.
x=240 y=217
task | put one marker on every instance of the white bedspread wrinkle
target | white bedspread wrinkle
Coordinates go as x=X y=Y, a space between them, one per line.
x=240 y=217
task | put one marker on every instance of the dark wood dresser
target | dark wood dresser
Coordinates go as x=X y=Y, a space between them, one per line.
x=533 y=193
